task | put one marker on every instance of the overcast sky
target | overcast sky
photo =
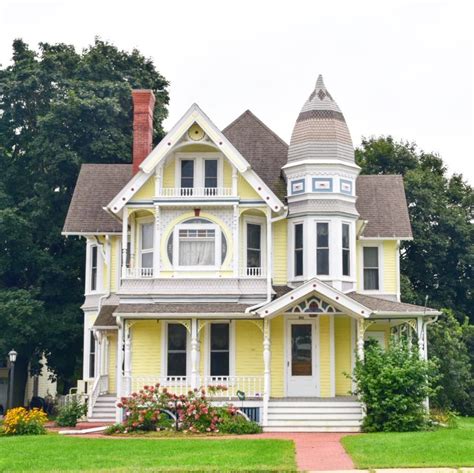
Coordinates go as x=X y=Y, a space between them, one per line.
x=394 y=67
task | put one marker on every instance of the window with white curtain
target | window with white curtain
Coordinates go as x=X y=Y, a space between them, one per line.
x=197 y=243
x=146 y=245
x=371 y=268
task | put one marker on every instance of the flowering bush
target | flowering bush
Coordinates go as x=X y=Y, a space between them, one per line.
x=20 y=421
x=155 y=408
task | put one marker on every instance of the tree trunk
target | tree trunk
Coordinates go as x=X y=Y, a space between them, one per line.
x=19 y=383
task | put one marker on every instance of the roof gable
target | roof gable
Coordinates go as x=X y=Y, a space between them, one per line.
x=160 y=152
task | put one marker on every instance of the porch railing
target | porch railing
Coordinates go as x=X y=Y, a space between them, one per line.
x=195 y=192
x=252 y=272
x=139 y=273
x=251 y=386
x=100 y=386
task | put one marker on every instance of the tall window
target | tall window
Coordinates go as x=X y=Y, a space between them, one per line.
x=254 y=245
x=220 y=343
x=371 y=268
x=92 y=355
x=94 y=267
x=346 y=250
x=187 y=173
x=322 y=248
x=299 y=249
x=146 y=245
x=176 y=350
x=210 y=175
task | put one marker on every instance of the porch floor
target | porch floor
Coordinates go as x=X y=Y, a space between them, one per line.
x=315 y=399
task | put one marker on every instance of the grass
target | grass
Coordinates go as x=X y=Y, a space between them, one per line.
x=57 y=453
x=439 y=448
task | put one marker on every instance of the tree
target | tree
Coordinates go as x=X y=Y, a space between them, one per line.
x=438 y=262
x=60 y=108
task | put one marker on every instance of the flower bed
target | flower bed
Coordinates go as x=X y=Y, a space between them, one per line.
x=155 y=408
x=20 y=421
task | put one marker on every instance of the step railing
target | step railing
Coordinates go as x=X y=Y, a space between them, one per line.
x=195 y=192
x=100 y=386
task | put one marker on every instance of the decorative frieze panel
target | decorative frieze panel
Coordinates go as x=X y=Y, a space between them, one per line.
x=313 y=305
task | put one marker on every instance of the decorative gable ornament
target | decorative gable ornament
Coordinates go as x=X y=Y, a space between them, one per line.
x=313 y=305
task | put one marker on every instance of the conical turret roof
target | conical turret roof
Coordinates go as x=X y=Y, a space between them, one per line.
x=320 y=132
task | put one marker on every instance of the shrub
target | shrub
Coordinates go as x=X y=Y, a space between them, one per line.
x=69 y=414
x=393 y=384
x=238 y=424
x=20 y=421
x=115 y=429
x=443 y=418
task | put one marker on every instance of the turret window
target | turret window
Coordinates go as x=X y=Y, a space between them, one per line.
x=322 y=248
x=346 y=251
x=94 y=267
x=298 y=238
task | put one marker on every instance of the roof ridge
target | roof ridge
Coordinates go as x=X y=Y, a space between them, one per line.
x=380 y=175
x=248 y=112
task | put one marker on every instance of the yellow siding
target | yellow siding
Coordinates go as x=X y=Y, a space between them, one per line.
x=324 y=356
x=146 y=191
x=245 y=190
x=146 y=347
x=112 y=367
x=280 y=257
x=227 y=171
x=278 y=357
x=115 y=251
x=168 y=174
x=249 y=349
x=381 y=327
x=390 y=267
x=343 y=354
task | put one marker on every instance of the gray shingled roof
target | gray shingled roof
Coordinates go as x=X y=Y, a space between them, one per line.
x=182 y=308
x=97 y=185
x=383 y=305
x=261 y=147
x=381 y=201
x=105 y=317
x=381 y=198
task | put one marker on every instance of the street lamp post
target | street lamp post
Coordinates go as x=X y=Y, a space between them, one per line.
x=12 y=357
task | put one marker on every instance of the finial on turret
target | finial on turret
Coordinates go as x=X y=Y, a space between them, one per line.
x=320 y=82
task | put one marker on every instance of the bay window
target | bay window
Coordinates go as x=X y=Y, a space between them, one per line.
x=346 y=250
x=176 y=350
x=371 y=268
x=322 y=248
x=219 y=349
x=298 y=249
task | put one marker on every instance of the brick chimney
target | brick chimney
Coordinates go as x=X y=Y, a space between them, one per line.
x=143 y=104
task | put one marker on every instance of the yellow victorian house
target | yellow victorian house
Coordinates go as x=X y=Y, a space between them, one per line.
x=228 y=257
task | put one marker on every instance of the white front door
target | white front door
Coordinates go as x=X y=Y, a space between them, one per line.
x=301 y=358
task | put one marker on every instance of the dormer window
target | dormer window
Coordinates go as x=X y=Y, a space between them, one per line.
x=187 y=173
x=199 y=174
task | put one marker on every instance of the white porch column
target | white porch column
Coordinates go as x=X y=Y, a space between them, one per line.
x=119 y=376
x=235 y=237
x=194 y=354
x=124 y=241
x=420 y=332
x=269 y=258
x=132 y=261
x=97 y=354
x=266 y=369
x=156 y=242
x=127 y=359
x=360 y=339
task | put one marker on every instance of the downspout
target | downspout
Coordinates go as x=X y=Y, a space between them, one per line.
x=269 y=262
x=106 y=255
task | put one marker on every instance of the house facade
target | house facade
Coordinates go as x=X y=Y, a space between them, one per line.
x=228 y=257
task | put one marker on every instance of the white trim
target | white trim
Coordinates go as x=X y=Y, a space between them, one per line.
x=139 y=229
x=397 y=269
x=164 y=349
x=332 y=359
x=255 y=220
x=93 y=243
x=374 y=244
x=207 y=347
x=199 y=167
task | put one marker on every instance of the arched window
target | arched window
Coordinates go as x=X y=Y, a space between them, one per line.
x=197 y=243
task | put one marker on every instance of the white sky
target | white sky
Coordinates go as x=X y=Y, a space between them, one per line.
x=394 y=67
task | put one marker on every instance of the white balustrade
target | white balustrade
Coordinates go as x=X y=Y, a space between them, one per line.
x=252 y=273
x=175 y=384
x=135 y=273
x=195 y=192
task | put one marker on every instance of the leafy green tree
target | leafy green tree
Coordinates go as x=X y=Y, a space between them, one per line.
x=60 y=108
x=438 y=262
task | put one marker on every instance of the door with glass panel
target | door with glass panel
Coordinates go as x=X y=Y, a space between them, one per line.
x=301 y=358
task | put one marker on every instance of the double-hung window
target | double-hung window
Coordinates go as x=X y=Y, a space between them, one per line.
x=254 y=247
x=199 y=176
x=94 y=267
x=322 y=248
x=210 y=176
x=371 y=268
x=146 y=248
x=298 y=250
x=346 y=250
x=220 y=349
x=187 y=174
x=176 y=347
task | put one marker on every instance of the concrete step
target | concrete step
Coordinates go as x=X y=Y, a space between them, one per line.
x=108 y=420
x=102 y=410
x=106 y=399
x=311 y=416
x=311 y=429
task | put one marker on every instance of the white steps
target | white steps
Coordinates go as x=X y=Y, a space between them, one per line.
x=314 y=416
x=104 y=409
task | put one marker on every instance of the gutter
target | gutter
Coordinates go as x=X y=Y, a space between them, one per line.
x=107 y=255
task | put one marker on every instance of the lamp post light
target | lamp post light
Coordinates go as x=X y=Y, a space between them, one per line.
x=12 y=357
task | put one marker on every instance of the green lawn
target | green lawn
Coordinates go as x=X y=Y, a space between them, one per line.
x=58 y=453
x=444 y=447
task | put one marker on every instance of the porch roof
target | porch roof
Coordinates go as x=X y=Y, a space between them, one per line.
x=185 y=308
x=106 y=317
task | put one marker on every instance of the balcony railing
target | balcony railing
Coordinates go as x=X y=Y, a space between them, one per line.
x=252 y=272
x=147 y=273
x=251 y=386
x=186 y=192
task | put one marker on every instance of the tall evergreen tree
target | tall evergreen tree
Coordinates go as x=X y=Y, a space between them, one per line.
x=59 y=108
